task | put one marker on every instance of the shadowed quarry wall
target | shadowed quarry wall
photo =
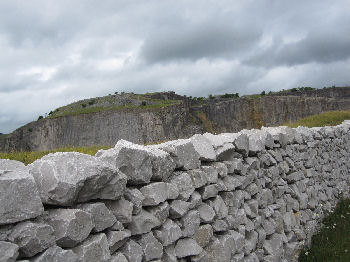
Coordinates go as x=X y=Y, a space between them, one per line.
x=256 y=195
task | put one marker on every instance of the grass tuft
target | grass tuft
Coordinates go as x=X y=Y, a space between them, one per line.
x=331 y=118
x=332 y=243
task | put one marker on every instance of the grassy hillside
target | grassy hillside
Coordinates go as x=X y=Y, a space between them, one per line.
x=331 y=118
x=124 y=101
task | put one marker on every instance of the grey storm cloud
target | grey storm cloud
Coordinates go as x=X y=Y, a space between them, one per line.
x=57 y=52
x=208 y=40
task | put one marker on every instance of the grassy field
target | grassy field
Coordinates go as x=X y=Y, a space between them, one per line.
x=332 y=243
x=30 y=157
x=331 y=118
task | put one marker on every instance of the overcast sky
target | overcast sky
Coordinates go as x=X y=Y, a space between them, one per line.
x=54 y=52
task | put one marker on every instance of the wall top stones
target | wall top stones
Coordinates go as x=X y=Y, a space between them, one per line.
x=256 y=195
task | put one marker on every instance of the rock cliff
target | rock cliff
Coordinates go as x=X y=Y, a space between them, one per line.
x=179 y=120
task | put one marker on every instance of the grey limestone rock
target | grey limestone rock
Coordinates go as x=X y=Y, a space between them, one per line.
x=238 y=257
x=234 y=166
x=152 y=249
x=118 y=257
x=178 y=208
x=195 y=200
x=211 y=174
x=10 y=165
x=102 y=217
x=225 y=152
x=19 y=197
x=198 y=177
x=273 y=246
x=162 y=164
x=161 y=211
x=190 y=223
x=168 y=233
x=251 y=258
x=121 y=209
x=8 y=251
x=206 y=213
x=202 y=257
x=183 y=152
x=269 y=226
x=71 y=226
x=142 y=223
x=183 y=182
x=132 y=251
x=136 y=198
x=203 y=147
x=209 y=191
x=220 y=225
x=94 y=248
x=56 y=254
x=251 y=240
x=116 y=239
x=154 y=193
x=238 y=239
x=32 y=237
x=187 y=247
x=169 y=254
x=242 y=143
x=133 y=160
x=219 y=250
x=67 y=178
x=219 y=207
x=204 y=235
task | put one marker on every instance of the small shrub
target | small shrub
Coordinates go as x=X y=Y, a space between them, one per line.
x=40 y=117
x=30 y=130
x=143 y=103
x=263 y=93
x=83 y=105
x=50 y=113
x=91 y=102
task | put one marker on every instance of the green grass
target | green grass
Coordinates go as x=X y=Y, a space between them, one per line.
x=331 y=118
x=93 y=109
x=332 y=243
x=30 y=157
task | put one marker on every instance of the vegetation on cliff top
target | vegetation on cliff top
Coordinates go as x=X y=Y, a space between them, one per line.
x=331 y=118
x=124 y=101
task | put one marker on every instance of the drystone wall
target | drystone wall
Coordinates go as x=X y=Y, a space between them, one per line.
x=256 y=195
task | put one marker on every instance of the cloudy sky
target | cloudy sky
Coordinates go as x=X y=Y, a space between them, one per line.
x=55 y=52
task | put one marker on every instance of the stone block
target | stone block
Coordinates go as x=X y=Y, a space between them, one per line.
x=64 y=179
x=93 y=248
x=19 y=197
x=32 y=237
x=71 y=226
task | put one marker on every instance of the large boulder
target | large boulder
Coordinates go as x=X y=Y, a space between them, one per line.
x=67 y=178
x=19 y=196
x=10 y=165
x=133 y=160
x=183 y=153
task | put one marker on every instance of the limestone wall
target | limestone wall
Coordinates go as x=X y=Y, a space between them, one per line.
x=256 y=195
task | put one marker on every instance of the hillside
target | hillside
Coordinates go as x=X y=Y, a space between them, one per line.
x=147 y=118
